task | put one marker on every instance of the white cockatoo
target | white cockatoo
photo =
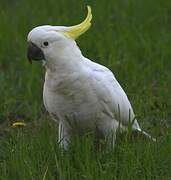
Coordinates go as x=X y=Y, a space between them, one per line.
x=78 y=92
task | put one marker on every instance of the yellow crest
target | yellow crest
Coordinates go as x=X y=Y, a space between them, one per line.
x=75 y=31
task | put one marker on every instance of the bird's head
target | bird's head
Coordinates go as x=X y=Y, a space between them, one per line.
x=46 y=41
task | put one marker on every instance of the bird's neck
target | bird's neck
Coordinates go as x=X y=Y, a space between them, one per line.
x=65 y=62
x=64 y=70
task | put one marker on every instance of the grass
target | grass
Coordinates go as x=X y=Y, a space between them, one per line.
x=132 y=38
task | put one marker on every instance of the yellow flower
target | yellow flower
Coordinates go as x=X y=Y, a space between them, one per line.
x=18 y=124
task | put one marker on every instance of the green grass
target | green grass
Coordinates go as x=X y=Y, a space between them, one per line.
x=132 y=38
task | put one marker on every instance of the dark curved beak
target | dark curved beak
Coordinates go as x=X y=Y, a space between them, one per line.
x=34 y=53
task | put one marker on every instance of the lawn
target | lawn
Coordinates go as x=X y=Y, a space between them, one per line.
x=133 y=39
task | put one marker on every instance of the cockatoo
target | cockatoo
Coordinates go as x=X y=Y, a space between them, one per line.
x=78 y=92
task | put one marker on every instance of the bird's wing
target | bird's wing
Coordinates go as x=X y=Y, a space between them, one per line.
x=112 y=97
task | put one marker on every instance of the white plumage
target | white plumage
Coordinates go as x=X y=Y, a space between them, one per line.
x=78 y=92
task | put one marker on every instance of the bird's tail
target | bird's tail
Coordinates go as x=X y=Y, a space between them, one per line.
x=147 y=135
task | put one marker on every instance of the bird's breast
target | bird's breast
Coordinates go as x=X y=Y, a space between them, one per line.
x=72 y=98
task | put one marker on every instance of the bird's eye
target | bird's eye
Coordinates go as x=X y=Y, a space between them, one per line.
x=45 y=43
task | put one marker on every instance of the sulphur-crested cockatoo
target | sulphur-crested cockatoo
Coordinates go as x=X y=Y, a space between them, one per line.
x=77 y=92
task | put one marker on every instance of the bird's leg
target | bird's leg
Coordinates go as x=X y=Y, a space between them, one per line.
x=64 y=136
x=108 y=131
x=110 y=138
